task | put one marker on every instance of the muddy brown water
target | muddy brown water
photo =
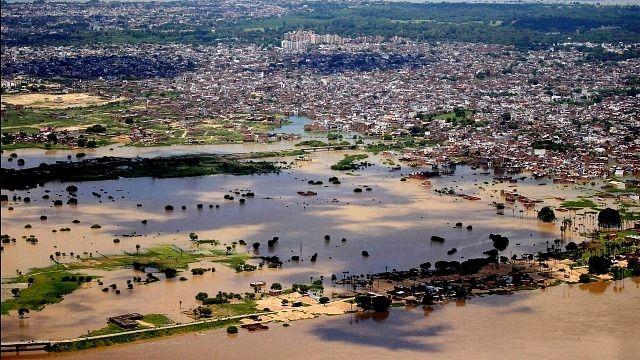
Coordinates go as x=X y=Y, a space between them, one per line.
x=596 y=321
x=393 y=222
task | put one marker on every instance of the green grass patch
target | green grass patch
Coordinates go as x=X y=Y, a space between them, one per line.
x=579 y=203
x=269 y=154
x=313 y=143
x=242 y=308
x=47 y=288
x=128 y=338
x=161 y=257
x=30 y=120
x=348 y=162
x=157 y=319
x=234 y=261
x=111 y=328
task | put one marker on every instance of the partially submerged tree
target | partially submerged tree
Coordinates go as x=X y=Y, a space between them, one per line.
x=609 y=218
x=546 y=214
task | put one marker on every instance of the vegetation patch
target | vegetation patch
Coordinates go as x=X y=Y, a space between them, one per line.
x=111 y=168
x=235 y=261
x=349 y=162
x=161 y=258
x=127 y=337
x=153 y=319
x=579 y=203
x=45 y=287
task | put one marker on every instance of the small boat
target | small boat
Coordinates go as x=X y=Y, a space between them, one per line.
x=307 y=193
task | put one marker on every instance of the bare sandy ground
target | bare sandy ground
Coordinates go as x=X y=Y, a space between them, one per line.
x=56 y=101
x=310 y=310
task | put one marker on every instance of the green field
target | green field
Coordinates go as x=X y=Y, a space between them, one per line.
x=30 y=120
x=111 y=328
x=579 y=203
x=348 y=162
x=47 y=288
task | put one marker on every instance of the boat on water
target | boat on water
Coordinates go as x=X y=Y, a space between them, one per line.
x=307 y=193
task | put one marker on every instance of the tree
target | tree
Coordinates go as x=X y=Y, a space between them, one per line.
x=425 y=266
x=22 y=311
x=546 y=214
x=609 y=218
x=499 y=242
x=193 y=236
x=170 y=273
x=571 y=246
x=256 y=245
x=585 y=278
x=276 y=286
x=375 y=303
x=203 y=311
x=231 y=329
x=380 y=303
x=202 y=296
x=15 y=292
x=97 y=128
x=324 y=300
x=599 y=265
x=52 y=137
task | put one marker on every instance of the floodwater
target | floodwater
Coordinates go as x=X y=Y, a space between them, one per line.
x=595 y=321
x=34 y=157
x=393 y=222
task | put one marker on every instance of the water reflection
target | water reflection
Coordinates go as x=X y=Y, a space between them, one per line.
x=380 y=330
x=560 y=323
x=596 y=288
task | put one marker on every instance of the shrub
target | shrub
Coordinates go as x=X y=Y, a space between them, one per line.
x=585 y=278
x=170 y=273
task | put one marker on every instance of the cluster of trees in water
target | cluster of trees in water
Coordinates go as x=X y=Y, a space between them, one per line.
x=607 y=217
x=109 y=168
